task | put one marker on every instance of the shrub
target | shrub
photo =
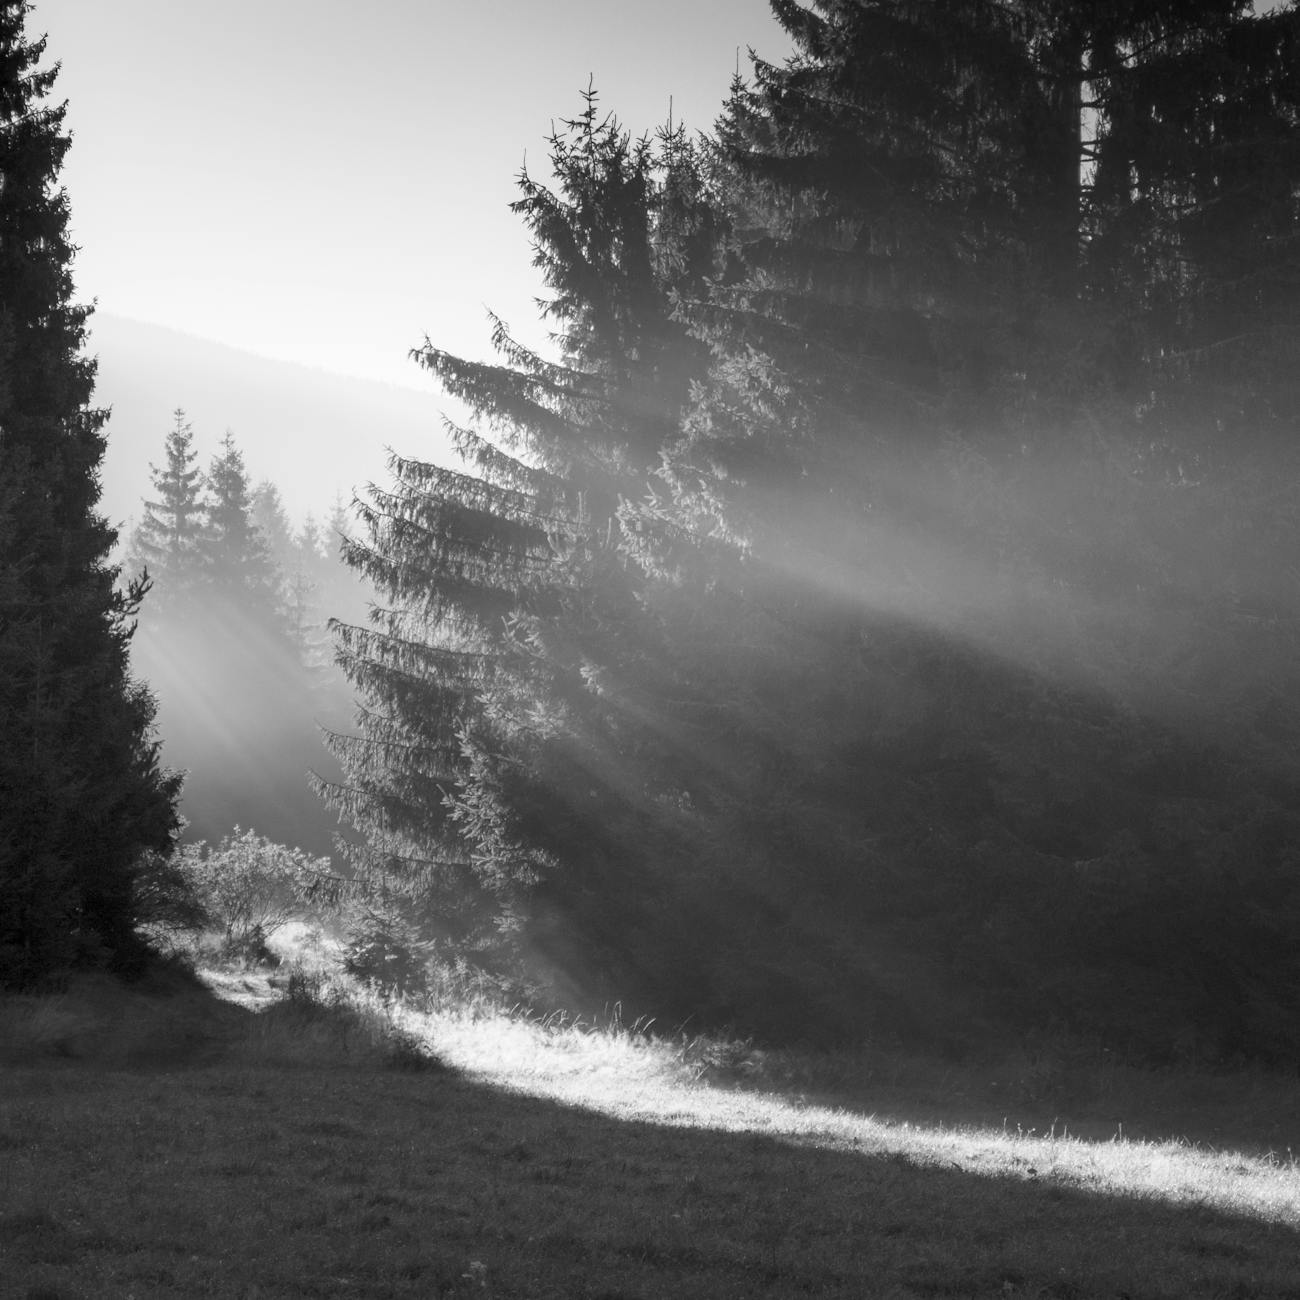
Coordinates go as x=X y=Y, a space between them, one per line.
x=249 y=887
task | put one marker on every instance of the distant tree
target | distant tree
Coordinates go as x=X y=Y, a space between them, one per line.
x=343 y=593
x=169 y=540
x=238 y=565
x=337 y=526
x=266 y=508
x=236 y=645
x=315 y=559
x=295 y=565
x=82 y=797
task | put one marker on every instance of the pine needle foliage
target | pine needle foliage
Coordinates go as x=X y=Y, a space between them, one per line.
x=169 y=540
x=82 y=796
x=492 y=767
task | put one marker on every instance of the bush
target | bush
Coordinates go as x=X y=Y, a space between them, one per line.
x=249 y=887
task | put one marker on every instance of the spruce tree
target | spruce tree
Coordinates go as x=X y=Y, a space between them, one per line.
x=266 y=508
x=82 y=798
x=504 y=773
x=984 y=251
x=169 y=540
x=238 y=569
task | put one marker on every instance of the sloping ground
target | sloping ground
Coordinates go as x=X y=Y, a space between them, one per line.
x=637 y=1079
x=632 y=1076
x=165 y=1021
x=285 y=1159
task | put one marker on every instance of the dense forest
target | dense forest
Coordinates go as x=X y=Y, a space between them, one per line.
x=876 y=613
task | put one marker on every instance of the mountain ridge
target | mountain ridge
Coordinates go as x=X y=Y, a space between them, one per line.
x=314 y=433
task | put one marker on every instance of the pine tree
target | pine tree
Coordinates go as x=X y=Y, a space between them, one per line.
x=266 y=509
x=703 y=684
x=82 y=798
x=502 y=774
x=1189 y=218
x=238 y=567
x=169 y=540
x=983 y=250
x=295 y=592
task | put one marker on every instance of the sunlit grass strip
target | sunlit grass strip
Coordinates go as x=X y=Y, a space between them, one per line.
x=631 y=1075
x=288 y=1157
x=629 y=1071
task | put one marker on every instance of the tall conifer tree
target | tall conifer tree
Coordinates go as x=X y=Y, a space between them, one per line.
x=81 y=793
x=501 y=771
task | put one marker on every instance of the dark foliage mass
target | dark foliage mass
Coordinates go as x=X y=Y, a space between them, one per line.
x=82 y=798
x=879 y=616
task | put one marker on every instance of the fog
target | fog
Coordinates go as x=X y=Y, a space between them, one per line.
x=239 y=713
x=315 y=434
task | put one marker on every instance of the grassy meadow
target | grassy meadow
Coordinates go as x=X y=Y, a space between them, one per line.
x=300 y=1138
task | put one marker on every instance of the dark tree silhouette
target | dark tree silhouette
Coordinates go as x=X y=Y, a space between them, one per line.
x=82 y=797
x=1013 y=306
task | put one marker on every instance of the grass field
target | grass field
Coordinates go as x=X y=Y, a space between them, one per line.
x=161 y=1144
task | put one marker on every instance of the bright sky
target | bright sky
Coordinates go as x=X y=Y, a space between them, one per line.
x=326 y=182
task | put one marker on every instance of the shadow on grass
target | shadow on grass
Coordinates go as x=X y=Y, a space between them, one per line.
x=238 y=1180
x=172 y=1020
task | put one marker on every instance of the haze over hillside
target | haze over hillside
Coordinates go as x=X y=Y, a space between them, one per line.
x=313 y=432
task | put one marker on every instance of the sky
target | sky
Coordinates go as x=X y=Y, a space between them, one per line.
x=325 y=182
